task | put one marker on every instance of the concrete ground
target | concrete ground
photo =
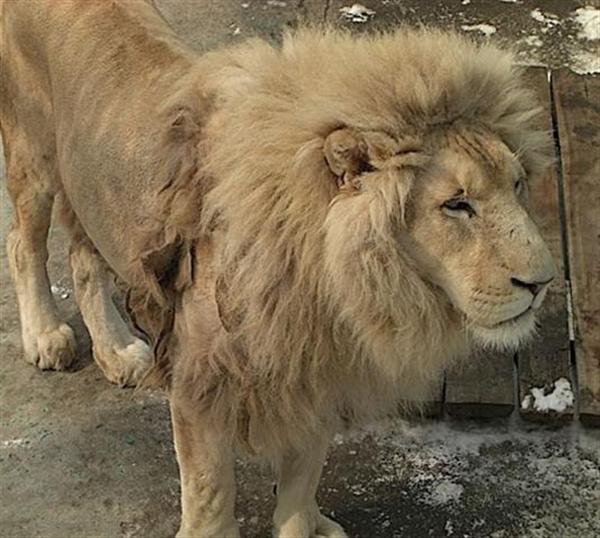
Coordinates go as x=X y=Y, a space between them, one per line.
x=82 y=458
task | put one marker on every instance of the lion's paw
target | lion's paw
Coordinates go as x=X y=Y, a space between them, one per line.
x=227 y=530
x=55 y=349
x=327 y=528
x=303 y=525
x=125 y=367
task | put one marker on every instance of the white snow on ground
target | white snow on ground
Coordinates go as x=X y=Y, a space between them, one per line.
x=547 y=18
x=445 y=467
x=533 y=41
x=486 y=29
x=584 y=62
x=357 y=13
x=558 y=397
x=589 y=19
x=446 y=491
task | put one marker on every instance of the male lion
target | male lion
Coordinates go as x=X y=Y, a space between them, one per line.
x=310 y=233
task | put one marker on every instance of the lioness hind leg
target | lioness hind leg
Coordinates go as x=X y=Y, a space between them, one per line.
x=48 y=343
x=123 y=358
x=205 y=458
x=297 y=514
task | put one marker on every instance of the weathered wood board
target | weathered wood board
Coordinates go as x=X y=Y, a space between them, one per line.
x=547 y=358
x=482 y=388
x=577 y=100
x=434 y=408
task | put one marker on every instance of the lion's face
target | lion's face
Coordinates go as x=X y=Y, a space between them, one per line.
x=475 y=239
x=461 y=218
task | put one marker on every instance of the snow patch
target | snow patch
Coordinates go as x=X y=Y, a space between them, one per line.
x=589 y=19
x=584 y=62
x=547 y=18
x=557 y=397
x=357 y=13
x=446 y=492
x=465 y=2
x=485 y=29
x=533 y=41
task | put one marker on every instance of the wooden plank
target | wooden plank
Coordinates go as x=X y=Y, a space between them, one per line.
x=547 y=358
x=482 y=387
x=430 y=408
x=434 y=408
x=577 y=101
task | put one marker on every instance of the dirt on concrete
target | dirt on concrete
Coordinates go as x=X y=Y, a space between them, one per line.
x=82 y=458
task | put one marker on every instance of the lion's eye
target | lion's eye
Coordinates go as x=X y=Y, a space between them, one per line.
x=519 y=186
x=458 y=208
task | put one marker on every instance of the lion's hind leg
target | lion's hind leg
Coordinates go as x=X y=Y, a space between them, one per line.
x=123 y=358
x=48 y=343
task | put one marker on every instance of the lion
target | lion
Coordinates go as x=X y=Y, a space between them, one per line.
x=310 y=233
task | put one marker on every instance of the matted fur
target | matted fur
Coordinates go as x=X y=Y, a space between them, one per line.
x=332 y=321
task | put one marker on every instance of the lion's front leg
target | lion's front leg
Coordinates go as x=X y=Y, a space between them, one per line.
x=297 y=514
x=206 y=468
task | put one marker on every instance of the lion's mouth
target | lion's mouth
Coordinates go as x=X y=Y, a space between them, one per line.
x=509 y=333
x=511 y=321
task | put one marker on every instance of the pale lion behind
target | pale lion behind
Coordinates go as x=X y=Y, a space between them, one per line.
x=310 y=233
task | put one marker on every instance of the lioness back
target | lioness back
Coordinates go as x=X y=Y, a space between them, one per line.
x=86 y=83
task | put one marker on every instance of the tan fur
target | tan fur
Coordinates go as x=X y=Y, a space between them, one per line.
x=279 y=216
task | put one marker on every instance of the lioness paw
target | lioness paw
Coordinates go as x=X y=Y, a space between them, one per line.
x=55 y=349
x=126 y=366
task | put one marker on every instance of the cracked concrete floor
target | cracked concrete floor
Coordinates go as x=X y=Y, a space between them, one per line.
x=82 y=458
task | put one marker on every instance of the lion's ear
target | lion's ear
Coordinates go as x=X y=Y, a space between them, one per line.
x=346 y=153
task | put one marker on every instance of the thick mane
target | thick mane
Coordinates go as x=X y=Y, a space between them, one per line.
x=310 y=325
x=405 y=83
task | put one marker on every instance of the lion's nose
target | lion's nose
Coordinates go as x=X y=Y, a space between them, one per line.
x=534 y=287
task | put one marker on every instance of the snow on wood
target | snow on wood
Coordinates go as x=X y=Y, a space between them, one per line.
x=558 y=397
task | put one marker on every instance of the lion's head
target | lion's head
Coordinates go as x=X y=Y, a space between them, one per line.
x=370 y=199
x=451 y=208
x=366 y=203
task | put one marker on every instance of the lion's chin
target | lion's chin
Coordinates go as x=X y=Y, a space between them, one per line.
x=508 y=335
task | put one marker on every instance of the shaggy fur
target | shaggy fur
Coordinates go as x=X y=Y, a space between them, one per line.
x=285 y=219
x=373 y=332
